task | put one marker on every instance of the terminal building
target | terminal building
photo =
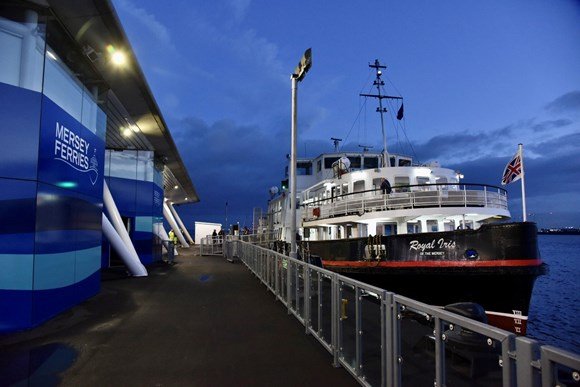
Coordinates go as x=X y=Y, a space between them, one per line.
x=88 y=168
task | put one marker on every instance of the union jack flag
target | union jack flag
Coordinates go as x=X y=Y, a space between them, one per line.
x=513 y=170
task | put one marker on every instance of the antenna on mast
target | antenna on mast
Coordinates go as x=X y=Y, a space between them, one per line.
x=378 y=83
x=365 y=147
x=336 y=142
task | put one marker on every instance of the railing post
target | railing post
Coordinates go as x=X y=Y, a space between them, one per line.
x=507 y=362
x=319 y=303
x=464 y=196
x=335 y=323
x=358 y=330
x=386 y=341
x=288 y=285
x=439 y=354
x=396 y=348
x=306 y=271
x=527 y=351
x=277 y=274
x=485 y=194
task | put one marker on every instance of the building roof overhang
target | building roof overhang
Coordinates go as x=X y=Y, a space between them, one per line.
x=94 y=25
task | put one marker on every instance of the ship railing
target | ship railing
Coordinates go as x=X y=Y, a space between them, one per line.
x=263 y=238
x=384 y=339
x=405 y=197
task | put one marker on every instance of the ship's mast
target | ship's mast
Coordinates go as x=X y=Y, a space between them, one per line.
x=378 y=83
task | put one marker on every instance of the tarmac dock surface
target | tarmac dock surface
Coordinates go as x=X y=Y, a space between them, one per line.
x=201 y=322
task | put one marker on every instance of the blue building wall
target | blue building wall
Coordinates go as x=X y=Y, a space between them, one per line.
x=51 y=183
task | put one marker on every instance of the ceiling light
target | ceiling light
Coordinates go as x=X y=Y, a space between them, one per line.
x=176 y=187
x=118 y=58
x=127 y=132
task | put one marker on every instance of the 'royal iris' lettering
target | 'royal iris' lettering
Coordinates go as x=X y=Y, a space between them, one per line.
x=434 y=244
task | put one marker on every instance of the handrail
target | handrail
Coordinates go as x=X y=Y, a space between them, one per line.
x=400 y=187
x=385 y=339
x=406 y=197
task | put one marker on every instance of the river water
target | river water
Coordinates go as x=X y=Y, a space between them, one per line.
x=554 y=316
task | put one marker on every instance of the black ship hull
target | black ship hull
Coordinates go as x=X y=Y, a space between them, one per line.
x=495 y=266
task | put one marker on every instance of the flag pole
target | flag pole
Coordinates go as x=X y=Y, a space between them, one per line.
x=521 y=150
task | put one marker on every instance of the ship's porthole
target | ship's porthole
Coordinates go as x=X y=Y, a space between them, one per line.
x=471 y=254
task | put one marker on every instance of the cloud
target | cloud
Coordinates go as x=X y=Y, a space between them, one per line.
x=551 y=124
x=552 y=181
x=148 y=20
x=239 y=8
x=567 y=145
x=463 y=146
x=569 y=102
x=231 y=162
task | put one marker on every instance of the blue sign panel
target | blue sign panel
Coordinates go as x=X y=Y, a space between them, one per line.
x=71 y=156
x=20 y=112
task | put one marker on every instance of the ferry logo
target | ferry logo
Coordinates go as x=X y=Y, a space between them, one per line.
x=73 y=150
x=157 y=199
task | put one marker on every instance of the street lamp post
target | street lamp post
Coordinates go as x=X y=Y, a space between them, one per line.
x=297 y=76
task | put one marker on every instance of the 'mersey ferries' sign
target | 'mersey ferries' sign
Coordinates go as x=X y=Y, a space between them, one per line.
x=433 y=247
x=73 y=150
x=70 y=154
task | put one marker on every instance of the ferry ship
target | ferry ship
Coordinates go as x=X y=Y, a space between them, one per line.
x=428 y=236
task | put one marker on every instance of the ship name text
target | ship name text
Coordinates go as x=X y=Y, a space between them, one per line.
x=440 y=243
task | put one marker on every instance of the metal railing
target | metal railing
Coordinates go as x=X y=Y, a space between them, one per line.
x=406 y=197
x=211 y=245
x=384 y=339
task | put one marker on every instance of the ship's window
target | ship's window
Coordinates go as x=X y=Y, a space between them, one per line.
x=404 y=162
x=423 y=181
x=304 y=168
x=354 y=162
x=328 y=161
x=377 y=182
x=442 y=180
x=432 y=226
x=392 y=161
x=371 y=162
x=402 y=181
x=413 y=228
x=319 y=166
x=358 y=186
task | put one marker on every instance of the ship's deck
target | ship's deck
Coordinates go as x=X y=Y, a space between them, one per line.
x=202 y=322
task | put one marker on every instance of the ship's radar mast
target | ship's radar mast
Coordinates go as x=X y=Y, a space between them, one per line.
x=336 y=142
x=378 y=83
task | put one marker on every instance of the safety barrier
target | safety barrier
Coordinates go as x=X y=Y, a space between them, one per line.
x=404 y=197
x=384 y=339
x=211 y=245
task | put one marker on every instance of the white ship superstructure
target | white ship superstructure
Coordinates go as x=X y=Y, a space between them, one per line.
x=336 y=202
